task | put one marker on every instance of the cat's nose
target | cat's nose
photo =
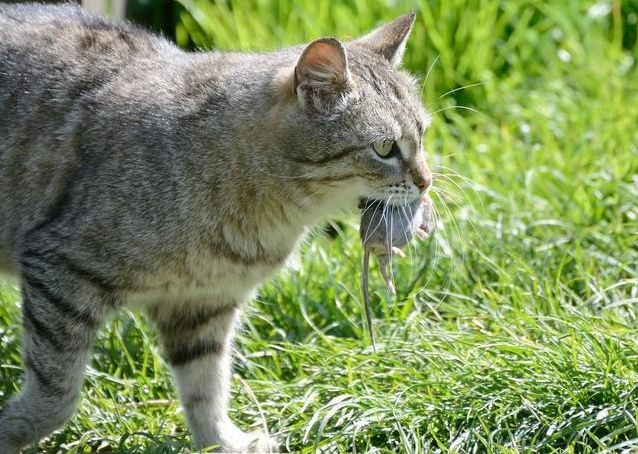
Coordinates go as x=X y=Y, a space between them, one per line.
x=422 y=179
x=424 y=184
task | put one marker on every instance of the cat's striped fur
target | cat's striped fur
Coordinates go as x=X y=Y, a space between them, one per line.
x=133 y=173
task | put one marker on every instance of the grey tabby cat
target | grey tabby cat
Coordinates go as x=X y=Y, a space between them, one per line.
x=133 y=173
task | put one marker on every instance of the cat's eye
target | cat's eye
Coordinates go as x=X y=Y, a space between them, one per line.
x=387 y=149
x=384 y=148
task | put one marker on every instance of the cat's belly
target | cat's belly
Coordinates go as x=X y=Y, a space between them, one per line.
x=201 y=279
x=223 y=269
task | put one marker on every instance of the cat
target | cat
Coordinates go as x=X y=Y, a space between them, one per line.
x=133 y=173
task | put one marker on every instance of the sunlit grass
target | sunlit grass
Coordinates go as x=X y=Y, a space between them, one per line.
x=514 y=328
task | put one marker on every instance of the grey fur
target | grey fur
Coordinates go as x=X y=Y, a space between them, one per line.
x=134 y=173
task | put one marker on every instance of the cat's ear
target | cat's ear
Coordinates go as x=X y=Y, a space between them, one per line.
x=389 y=40
x=321 y=74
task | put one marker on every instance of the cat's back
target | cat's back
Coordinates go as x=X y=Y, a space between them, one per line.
x=50 y=56
x=45 y=44
x=59 y=66
x=47 y=29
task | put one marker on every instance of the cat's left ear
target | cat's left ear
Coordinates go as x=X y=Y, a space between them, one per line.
x=321 y=74
x=389 y=40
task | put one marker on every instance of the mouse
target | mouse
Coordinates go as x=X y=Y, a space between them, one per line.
x=385 y=228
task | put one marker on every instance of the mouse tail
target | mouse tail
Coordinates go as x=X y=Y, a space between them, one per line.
x=366 y=296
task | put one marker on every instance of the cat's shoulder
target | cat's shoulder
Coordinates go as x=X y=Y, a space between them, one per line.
x=61 y=14
x=27 y=14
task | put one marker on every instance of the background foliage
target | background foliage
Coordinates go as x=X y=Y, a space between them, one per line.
x=514 y=328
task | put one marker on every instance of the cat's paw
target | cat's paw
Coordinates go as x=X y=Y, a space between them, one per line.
x=262 y=443
x=254 y=442
x=233 y=440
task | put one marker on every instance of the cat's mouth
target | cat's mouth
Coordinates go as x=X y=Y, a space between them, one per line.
x=405 y=211
x=392 y=200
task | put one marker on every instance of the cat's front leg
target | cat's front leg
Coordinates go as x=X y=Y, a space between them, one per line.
x=197 y=338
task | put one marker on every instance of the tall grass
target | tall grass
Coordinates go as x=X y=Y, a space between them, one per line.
x=514 y=328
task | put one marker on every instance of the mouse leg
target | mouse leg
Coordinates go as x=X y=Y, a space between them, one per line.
x=384 y=261
x=398 y=252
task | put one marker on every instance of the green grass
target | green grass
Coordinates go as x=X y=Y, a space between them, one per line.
x=514 y=328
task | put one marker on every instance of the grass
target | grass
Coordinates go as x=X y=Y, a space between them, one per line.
x=514 y=328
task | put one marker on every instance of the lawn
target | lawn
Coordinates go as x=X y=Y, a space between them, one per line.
x=514 y=326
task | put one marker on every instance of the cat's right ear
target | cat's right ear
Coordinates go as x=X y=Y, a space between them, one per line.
x=321 y=74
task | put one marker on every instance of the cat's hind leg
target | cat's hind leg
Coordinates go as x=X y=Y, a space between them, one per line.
x=197 y=339
x=62 y=312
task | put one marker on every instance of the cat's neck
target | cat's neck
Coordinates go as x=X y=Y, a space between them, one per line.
x=267 y=198
x=269 y=216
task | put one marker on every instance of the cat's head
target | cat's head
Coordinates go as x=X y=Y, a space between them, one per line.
x=358 y=121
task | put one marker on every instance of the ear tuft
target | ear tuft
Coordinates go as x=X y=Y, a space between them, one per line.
x=390 y=39
x=321 y=74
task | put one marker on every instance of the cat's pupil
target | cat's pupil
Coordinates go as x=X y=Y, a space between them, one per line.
x=387 y=150
x=395 y=151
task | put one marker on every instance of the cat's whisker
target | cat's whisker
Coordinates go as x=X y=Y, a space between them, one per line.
x=472 y=183
x=453 y=172
x=427 y=75
x=368 y=234
x=443 y=198
x=408 y=241
x=451 y=176
x=445 y=195
x=447 y=210
x=456 y=232
x=461 y=88
x=390 y=220
x=456 y=107
x=437 y=248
